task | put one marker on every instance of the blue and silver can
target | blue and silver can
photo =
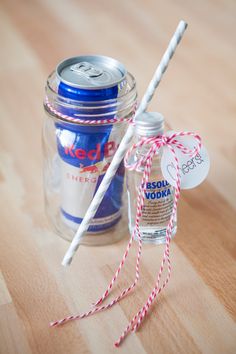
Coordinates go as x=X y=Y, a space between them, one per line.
x=93 y=89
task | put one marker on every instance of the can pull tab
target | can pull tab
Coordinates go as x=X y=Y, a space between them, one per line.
x=86 y=69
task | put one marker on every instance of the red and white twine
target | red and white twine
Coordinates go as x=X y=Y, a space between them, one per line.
x=155 y=144
x=75 y=119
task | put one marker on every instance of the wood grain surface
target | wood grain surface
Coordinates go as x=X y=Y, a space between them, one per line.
x=197 y=311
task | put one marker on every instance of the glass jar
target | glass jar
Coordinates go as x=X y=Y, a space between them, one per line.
x=77 y=155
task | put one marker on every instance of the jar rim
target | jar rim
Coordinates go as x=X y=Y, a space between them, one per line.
x=91 y=104
x=89 y=110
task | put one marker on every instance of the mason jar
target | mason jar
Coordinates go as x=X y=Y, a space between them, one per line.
x=87 y=111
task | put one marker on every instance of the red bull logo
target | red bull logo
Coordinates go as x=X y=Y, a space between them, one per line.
x=90 y=169
x=97 y=154
x=94 y=168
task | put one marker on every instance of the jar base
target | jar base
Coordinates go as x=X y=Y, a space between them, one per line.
x=108 y=237
x=111 y=235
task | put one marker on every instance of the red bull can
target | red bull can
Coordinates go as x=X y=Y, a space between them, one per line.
x=90 y=88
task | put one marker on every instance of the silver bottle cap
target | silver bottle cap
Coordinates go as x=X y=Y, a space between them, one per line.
x=91 y=72
x=149 y=124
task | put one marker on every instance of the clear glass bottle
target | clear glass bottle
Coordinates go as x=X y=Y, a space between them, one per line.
x=159 y=194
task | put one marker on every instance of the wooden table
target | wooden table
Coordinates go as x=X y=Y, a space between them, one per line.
x=196 y=312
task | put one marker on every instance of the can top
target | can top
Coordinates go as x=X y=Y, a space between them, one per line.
x=91 y=72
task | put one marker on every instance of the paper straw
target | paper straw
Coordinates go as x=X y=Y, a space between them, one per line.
x=119 y=155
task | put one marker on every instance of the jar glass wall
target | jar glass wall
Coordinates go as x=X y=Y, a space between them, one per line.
x=76 y=157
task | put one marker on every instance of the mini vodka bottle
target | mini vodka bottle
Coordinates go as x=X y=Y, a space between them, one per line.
x=159 y=194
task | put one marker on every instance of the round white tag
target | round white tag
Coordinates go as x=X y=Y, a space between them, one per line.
x=193 y=170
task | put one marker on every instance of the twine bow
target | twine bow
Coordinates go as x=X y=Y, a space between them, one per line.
x=155 y=144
